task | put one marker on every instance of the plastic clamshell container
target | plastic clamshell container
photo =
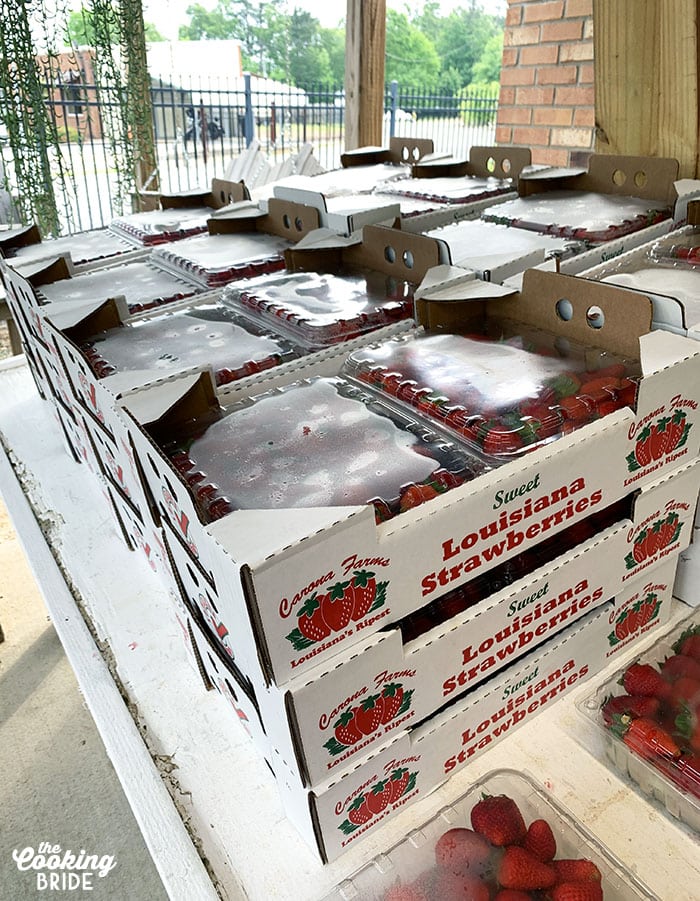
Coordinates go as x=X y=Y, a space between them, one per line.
x=161 y=226
x=321 y=309
x=682 y=247
x=83 y=247
x=464 y=189
x=143 y=285
x=412 y=862
x=501 y=396
x=583 y=215
x=216 y=260
x=675 y=784
x=207 y=333
x=319 y=442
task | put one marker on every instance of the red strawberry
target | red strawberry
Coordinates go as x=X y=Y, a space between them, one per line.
x=337 y=606
x=622 y=626
x=643 y=679
x=397 y=784
x=685 y=691
x=640 y=550
x=678 y=666
x=499 y=820
x=368 y=714
x=404 y=893
x=667 y=530
x=648 y=608
x=415 y=495
x=310 y=621
x=462 y=851
x=521 y=870
x=684 y=772
x=578 y=869
x=392 y=697
x=636 y=619
x=646 y=737
x=512 y=894
x=578 y=891
x=359 y=812
x=451 y=886
x=689 y=643
x=378 y=797
x=642 y=450
x=364 y=591
x=631 y=705
x=659 y=438
x=345 y=729
x=540 y=840
x=676 y=429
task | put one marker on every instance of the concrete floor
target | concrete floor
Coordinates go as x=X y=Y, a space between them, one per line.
x=57 y=785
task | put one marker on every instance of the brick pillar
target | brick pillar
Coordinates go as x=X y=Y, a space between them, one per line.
x=546 y=100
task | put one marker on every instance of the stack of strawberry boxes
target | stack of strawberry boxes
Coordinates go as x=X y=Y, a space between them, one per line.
x=86 y=350
x=429 y=578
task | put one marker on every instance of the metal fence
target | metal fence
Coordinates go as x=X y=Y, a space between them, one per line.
x=202 y=126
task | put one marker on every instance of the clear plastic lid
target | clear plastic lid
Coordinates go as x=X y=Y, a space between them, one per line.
x=323 y=309
x=84 y=247
x=218 y=259
x=349 y=181
x=465 y=189
x=506 y=832
x=583 y=215
x=210 y=333
x=474 y=239
x=682 y=282
x=142 y=284
x=315 y=443
x=648 y=713
x=502 y=394
x=681 y=248
x=160 y=226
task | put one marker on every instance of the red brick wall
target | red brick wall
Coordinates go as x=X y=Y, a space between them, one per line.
x=546 y=99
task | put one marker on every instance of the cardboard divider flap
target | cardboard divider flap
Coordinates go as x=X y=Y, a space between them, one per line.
x=632 y=176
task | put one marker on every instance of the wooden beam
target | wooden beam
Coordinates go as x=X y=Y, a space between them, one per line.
x=646 y=79
x=365 y=42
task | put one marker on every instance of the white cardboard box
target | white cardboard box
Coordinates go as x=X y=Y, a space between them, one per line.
x=312 y=724
x=261 y=565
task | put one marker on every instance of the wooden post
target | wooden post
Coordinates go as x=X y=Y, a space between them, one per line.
x=139 y=101
x=646 y=79
x=365 y=42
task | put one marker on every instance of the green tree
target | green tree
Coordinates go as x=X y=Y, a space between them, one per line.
x=488 y=67
x=333 y=39
x=309 y=62
x=411 y=59
x=462 y=39
x=80 y=29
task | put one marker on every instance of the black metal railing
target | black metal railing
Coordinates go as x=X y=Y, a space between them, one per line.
x=202 y=126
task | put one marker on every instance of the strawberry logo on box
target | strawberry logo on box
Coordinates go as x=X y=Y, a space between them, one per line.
x=654 y=538
x=634 y=618
x=369 y=716
x=377 y=798
x=344 y=603
x=90 y=393
x=211 y=615
x=180 y=518
x=666 y=435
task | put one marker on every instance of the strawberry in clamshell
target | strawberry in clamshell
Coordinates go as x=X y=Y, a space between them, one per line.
x=540 y=852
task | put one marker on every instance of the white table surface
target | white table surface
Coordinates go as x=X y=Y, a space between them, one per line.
x=195 y=784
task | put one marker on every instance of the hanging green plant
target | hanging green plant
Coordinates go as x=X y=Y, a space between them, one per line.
x=42 y=57
x=37 y=164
